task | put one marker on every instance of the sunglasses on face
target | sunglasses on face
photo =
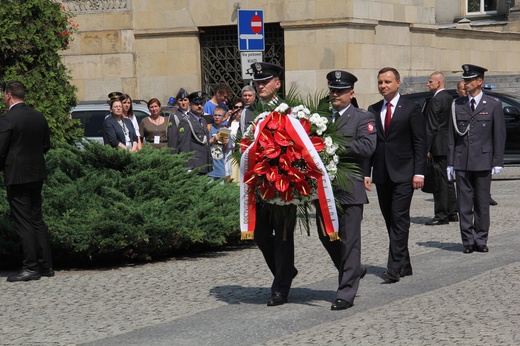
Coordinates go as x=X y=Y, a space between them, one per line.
x=238 y=107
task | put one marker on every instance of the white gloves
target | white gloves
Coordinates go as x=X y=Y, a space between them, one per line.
x=451 y=173
x=497 y=170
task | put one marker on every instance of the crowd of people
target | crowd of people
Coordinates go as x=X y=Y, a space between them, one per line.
x=390 y=142
x=195 y=124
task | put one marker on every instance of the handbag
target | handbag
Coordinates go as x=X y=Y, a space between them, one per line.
x=429 y=179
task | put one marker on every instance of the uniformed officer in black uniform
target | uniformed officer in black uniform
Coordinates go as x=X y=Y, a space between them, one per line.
x=277 y=248
x=358 y=127
x=193 y=135
x=476 y=140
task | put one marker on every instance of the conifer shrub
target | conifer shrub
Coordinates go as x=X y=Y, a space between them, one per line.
x=107 y=205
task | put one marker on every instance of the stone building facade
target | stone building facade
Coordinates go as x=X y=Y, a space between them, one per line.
x=151 y=48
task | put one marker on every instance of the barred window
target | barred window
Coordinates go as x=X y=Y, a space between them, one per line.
x=481 y=6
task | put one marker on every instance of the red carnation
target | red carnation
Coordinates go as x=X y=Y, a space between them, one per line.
x=318 y=142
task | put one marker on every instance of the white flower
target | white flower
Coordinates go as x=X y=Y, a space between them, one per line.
x=332 y=168
x=328 y=141
x=282 y=107
x=314 y=118
x=336 y=159
x=331 y=150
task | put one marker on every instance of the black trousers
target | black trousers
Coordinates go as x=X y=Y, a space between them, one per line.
x=25 y=201
x=277 y=248
x=444 y=197
x=346 y=253
x=473 y=190
x=394 y=201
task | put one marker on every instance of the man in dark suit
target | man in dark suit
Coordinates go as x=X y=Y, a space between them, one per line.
x=437 y=123
x=476 y=138
x=398 y=166
x=24 y=139
x=358 y=127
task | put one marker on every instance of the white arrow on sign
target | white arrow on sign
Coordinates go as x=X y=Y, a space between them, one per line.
x=248 y=37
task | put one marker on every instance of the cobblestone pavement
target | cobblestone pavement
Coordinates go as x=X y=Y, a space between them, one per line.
x=219 y=298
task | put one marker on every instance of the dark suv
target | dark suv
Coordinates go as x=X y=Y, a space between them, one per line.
x=511 y=107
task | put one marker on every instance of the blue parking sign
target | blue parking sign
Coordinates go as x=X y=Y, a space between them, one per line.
x=251 y=30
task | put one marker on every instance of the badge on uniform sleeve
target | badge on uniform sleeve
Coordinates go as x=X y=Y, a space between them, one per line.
x=170 y=124
x=181 y=129
x=370 y=127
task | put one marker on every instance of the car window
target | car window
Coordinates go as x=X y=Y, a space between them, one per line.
x=140 y=115
x=91 y=122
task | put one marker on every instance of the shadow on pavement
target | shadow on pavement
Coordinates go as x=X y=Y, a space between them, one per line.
x=442 y=246
x=235 y=294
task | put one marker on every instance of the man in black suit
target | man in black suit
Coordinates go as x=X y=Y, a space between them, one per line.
x=358 y=127
x=398 y=166
x=24 y=139
x=476 y=138
x=437 y=123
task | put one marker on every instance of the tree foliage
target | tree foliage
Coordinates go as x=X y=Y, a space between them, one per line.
x=102 y=203
x=32 y=32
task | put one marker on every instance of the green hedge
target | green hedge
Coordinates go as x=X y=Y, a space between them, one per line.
x=108 y=205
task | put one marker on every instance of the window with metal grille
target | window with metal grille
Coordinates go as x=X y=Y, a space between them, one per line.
x=221 y=57
x=481 y=6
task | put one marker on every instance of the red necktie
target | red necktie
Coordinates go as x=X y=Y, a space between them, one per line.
x=388 y=117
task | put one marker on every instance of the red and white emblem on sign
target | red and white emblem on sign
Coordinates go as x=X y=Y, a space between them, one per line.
x=256 y=23
x=370 y=127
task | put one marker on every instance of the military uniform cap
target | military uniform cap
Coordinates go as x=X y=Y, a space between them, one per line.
x=472 y=71
x=265 y=70
x=197 y=97
x=114 y=95
x=341 y=79
x=182 y=94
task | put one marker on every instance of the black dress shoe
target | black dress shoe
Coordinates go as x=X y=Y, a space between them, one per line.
x=341 y=304
x=363 y=273
x=406 y=271
x=25 y=275
x=481 y=248
x=436 y=222
x=453 y=218
x=468 y=249
x=391 y=276
x=276 y=299
x=49 y=272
